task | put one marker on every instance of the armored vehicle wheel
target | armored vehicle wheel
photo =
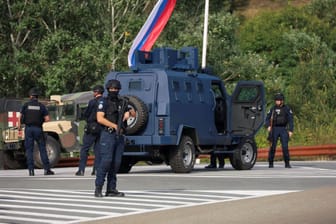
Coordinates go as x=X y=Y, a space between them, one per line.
x=53 y=150
x=11 y=161
x=245 y=155
x=137 y=124
x=182 y=158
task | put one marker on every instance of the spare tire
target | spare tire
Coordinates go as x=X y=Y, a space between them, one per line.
x=138 y=123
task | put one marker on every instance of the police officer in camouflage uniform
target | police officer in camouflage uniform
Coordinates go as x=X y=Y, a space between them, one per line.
x=111 y=112
x=33 y=114
x=92 y=132
x=279 y=123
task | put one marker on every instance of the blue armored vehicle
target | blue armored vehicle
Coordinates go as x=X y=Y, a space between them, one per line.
x=182 y=112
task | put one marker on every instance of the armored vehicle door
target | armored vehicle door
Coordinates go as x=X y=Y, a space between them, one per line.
x=248 y=111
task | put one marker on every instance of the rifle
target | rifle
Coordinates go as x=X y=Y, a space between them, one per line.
x=269 y=137
x=121 y=110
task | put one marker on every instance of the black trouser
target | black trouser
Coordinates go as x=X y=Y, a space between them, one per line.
x=282 y=133
x=32 y=134
x=220 y=158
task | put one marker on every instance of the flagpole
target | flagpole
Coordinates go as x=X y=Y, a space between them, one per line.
x=205 y=33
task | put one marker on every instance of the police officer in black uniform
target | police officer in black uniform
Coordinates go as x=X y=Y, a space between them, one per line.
x=279 y=123
x=112 y=115
x=33 y=114
x=213 y=162
x=92 y=132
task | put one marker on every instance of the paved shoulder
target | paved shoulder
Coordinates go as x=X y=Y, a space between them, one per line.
x=284 y=208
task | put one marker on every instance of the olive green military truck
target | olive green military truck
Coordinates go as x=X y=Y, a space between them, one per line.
x=63 y=133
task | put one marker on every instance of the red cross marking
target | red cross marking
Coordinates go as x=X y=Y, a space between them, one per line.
x=13 y=118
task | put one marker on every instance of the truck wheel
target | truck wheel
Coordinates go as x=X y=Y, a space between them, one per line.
x=182 y=158
x=11 y=161
x=53 y=151
x=126 y=165
x=245 y=155
x=137 y=124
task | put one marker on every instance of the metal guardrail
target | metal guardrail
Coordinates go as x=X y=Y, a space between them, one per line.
x=296 y=151
x=73 y=162
x=302 y=151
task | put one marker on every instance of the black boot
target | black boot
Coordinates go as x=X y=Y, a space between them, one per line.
x=270 y=165
x=79 y=173
x=287 y=165
x=93 y=173
x=48 y=172
x=213 y=162
x=114 y=193
x=210 y=166
x=98 y=192
x=31 y=173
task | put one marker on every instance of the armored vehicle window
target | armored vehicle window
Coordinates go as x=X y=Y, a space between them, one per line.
x=247 y=95
x=200 y=87
x=217 y=90
x=200 y=91
x=176 y=89
x=176 y=86
x=135 y=85
x=188 y=90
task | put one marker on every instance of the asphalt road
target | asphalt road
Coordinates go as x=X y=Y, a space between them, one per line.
x=303 y=194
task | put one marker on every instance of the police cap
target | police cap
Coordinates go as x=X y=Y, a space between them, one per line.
x=98 y=88
x=113 y=83
x=34 y=92
x=279 y=96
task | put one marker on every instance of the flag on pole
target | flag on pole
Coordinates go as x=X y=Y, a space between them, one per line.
x=152 y=28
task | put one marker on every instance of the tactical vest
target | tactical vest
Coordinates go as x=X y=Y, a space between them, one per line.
x=112 y=111
x=33 y=114
x=280 y=116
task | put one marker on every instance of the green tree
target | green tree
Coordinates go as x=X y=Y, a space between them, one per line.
x=64 y=46
x=313 y=80
x=18 y=30
x=325 y=11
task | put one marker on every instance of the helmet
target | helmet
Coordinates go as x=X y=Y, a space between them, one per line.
x=279 y=96
x=113 y=83
x=98 y=88
x=34 y=92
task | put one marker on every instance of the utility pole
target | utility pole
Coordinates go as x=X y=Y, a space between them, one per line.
x=205 y=33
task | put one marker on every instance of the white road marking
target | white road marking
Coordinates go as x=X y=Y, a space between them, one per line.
x=37 y=214
x=24 y=220
x=69 y=206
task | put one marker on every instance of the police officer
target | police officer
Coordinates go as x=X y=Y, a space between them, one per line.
x=112 y=113
x=92 y=132
x=33 y=114
x=213 y=162
x=279 y=123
